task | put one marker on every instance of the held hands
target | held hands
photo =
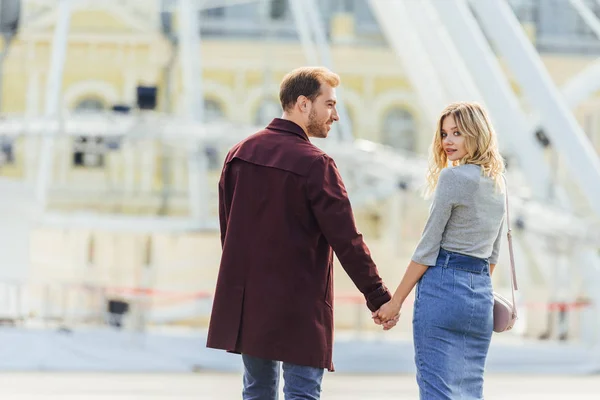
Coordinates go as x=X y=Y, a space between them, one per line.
x=388 y=315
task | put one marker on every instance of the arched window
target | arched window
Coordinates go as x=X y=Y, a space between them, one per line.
x=213 y=110
x=88 y=151
x=399 y=130
x=267 y=110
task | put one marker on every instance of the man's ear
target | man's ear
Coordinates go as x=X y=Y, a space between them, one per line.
x=302 y=103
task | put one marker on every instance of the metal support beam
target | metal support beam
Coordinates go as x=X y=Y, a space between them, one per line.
x=308 y=44
x=402 y=37
x=315 y=22
x=308 y=15
x=53 y=95
x=445 y=58
x=189 y=43
x=582 y=86
x=503 y=28
x=189 y=37
x=587 y=15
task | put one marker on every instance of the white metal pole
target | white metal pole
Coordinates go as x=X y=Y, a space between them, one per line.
x=504 y=30
x=581 y=86
x=32 y=111
x=314 y=21
x=308 y=45
x=445 y=58
x=403 y=38
x=53 y=95
x=189 y=42
x=587 y=15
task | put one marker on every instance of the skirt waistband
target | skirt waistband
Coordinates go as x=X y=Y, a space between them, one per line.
x=450 y=259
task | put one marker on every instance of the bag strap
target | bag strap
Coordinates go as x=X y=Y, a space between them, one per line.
x=513 y=273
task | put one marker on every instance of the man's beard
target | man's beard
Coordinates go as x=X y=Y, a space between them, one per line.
x=314 y=129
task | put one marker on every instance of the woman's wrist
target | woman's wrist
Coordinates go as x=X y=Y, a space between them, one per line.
x=397 y=301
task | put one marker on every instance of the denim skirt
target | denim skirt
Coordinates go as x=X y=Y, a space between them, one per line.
x=452 y=327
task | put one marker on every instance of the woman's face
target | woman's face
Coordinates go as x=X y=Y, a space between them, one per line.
x=453 y=142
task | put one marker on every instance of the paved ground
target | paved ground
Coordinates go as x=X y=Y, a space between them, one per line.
x=205 y=386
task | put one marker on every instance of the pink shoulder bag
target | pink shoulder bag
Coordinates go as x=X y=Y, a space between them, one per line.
x=505 y=311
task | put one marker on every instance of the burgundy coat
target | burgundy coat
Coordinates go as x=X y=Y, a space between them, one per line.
x=283 y=207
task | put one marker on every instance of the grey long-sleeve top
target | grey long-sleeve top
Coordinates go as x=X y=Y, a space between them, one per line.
x=467 y=216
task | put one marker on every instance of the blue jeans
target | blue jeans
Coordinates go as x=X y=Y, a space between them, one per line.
x=261 y=380
x=452 y=327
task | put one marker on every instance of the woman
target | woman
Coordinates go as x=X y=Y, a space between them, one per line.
x=453 y=309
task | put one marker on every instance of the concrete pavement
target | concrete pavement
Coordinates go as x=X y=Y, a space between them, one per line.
x=226 y=386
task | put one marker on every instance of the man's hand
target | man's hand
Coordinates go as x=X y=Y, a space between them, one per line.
x=387 y=325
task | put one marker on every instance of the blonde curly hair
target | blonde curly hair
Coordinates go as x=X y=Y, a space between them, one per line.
x=481 y=144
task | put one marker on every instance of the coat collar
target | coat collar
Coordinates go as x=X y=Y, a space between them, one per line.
x=285 y=125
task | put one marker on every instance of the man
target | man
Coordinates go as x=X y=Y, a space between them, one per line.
x=282 y=208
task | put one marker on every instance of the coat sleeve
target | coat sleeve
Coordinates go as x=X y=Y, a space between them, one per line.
x=333 y=212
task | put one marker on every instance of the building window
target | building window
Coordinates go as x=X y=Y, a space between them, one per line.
x=346 y=6
x=278 y=9
x=88 y=151
x=7 y=155
x=212 y=110
x=399 y=130
x=267 y=110
x=214 y=12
